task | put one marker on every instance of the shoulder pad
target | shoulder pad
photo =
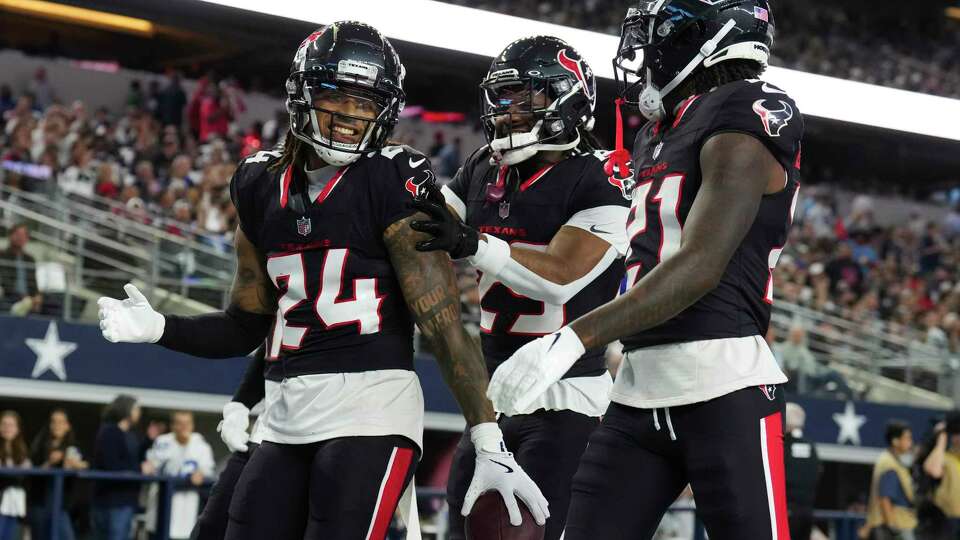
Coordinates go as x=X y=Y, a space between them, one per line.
x=253 y=167
x=762 y=110
x=412 y=167
x=392 y=152
x=760 y=102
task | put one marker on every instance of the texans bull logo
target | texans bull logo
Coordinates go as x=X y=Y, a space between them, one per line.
x=773 y=120
x=579 y=69
x=625 y=185
x=417 y=187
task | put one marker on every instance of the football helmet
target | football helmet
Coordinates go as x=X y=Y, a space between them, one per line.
x=540 y=85
x=664 y=42
x=345 y=58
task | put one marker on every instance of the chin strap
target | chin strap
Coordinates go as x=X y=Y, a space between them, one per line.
x=651 y=99
x=618 y=163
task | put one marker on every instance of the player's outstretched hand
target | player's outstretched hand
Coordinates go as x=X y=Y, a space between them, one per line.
x=532 y=369
x=233 y=427
x=131 y=320
x=448 y=232
x=496 y=470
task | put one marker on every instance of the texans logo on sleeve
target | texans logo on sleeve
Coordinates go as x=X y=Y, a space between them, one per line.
x=774 y=120
x=416 y=187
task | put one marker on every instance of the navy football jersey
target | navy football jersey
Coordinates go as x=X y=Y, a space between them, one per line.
x=529 y=215
x=667 y=177
x=341 y=308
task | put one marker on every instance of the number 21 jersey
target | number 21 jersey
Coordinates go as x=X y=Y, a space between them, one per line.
x=666 y=158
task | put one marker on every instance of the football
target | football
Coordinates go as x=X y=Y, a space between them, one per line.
x=489 y=520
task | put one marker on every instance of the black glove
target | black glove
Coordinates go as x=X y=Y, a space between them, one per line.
x=448 y=232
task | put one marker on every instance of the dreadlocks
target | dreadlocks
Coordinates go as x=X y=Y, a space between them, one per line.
x=293 y=151
x=717 y=75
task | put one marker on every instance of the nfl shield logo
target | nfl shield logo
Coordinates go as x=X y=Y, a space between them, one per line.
x=303 y=226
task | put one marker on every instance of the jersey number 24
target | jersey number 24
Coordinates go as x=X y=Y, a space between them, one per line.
x=287 y=272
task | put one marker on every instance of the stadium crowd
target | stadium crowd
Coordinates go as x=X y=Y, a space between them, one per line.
x=868 y=45
x=168 y=159
x=893 y=278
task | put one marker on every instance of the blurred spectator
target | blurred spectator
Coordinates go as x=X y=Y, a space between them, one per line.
x=117 y=448
x=171 y=101
x=802 y=466
x=844 y=272
x=20 y=113
x=951 y=222
x=942 y=465
x=39 y=87
x=185 y=454
x=146 y=181
x=6 y=99
x=211 y=109
x=932 y=246
x=13 y=453
x=151 y=102
x=448 y=159
x=135 y=95
x=18 y=275
x=437 y=145
x=80 y=176
x=54 y=448
x=807 y=374
x=181 y=174
x=890 y=511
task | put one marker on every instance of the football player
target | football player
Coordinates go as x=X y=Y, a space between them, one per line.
x=535 y=213
x=213 y=520
x=324 y=243
x=696 y=400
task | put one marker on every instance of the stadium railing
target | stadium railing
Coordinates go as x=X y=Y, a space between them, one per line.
x=106 y=248
x=840 y=525
x=874 y=348
x=167 y=487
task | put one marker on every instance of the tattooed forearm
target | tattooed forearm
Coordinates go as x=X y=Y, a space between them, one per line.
x=431 y=293
x=252 y=290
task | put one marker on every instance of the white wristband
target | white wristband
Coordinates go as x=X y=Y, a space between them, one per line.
x=491 y=256
x=487 y=437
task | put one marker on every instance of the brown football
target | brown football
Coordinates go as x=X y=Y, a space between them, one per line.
x=489 y=520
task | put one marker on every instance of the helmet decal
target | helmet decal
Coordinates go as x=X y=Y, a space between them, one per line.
x=575 y=67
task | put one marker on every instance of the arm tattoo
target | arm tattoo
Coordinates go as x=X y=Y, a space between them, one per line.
x=252 y=289
x=429 y=287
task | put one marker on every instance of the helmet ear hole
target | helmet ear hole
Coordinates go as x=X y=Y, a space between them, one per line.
x=573 y=110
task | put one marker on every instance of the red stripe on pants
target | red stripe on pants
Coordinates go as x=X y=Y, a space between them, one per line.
x=391 y=493
x=778 y=480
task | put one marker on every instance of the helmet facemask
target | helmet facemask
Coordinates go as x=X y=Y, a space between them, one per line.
x=539 y=107
x=342 y=115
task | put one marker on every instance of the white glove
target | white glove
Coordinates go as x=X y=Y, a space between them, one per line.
x=532 y=369
x=233 y=427
x=496 y=470
x=131 y=320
